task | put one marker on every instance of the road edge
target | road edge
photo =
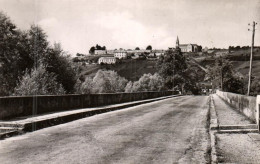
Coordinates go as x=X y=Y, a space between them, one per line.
x=214 y=124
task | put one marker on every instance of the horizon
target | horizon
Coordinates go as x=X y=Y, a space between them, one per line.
x=129 y=24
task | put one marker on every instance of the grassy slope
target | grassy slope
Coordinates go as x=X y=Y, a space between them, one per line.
x=239 y=59
x=133 y=69
x=130 y=69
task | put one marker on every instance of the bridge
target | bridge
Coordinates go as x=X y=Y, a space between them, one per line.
x=142 y=128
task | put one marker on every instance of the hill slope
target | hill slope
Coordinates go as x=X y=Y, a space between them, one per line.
x=133 y=69
x=130 y=69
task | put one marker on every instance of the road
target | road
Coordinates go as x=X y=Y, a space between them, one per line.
x=167 y=131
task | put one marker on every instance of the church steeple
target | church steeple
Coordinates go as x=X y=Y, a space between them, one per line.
x=177 y=42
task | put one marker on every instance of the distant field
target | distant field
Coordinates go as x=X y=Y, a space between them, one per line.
x=239 y=60
x=243 y=67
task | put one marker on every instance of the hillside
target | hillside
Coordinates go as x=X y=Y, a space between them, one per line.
x=131 y=69
x=239 y=60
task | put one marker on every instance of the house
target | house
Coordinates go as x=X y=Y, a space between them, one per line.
x=100 y=52
x=107 y=60
x=121 y=54
x=110 y=51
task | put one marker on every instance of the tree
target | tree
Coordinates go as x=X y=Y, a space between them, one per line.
x=59 y=63
x=149 y=47
x=26 y=50
x=87 y=86
x=14 y=55
x=137 y=48
x=255 y=87
x=103 y=82
x=129 y=86
x=172 y=68
x=98 y=47
x=39 y=82
x=222 y=72
x=147 y=82
x=92 y=50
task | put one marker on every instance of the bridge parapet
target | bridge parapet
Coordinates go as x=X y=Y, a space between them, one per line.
x=245 y=104
x=258 y=111
x=11 y=107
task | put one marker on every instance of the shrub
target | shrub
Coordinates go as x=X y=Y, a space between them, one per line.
x=39 y=82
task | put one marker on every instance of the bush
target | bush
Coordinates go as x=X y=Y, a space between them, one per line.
x=103 y=82
x=39 y=82
x=147 y=82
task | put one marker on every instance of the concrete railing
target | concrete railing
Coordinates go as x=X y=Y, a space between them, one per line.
x=11 y=107
x=245 y=104
x=258 y=111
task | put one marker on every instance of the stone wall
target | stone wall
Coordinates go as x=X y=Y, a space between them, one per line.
x=245 y=104
x=11 y=107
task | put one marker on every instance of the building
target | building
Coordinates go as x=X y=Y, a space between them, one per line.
x=121 y=54
x=107 y=60
x=110 y=51
x=187 y=47
x=100 y=52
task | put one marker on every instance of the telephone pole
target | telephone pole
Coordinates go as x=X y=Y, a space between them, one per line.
x=251 y=58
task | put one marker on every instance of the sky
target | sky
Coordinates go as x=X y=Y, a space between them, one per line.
x=80 y=24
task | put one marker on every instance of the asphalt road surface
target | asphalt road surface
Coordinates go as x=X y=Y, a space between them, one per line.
x=167 y=131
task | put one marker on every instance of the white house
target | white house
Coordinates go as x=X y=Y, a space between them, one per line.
x=120 y=54
x=107 y=60
x=100 y=52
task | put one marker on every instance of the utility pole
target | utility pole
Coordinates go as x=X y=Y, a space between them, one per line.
x=251 y=58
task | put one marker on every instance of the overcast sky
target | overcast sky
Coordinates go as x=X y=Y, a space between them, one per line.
x=80 y=24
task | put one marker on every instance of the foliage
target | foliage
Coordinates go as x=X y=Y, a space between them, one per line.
x=172 y=68
x=137 y=48
x=103 y=82
x=223 y=71
x=255 y=88
x=92 y=50
x=149 y=47
x=14 y=54
x=39 y=82
x=59 y=63
x=147 y=82
x=24 y=50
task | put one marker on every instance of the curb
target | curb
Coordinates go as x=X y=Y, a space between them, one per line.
x=214 y=125
x=26 y=126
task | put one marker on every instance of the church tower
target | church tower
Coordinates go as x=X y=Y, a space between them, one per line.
x=177 y=42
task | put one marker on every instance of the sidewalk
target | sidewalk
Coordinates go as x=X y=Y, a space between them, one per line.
x=241 y=147
x=227 y=115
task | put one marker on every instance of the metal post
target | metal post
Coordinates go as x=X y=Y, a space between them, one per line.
x=251 y=60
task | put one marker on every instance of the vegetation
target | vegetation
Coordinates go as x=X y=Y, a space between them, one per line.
x=98 y=47
x=149 y=47
x=39 y=82
x=178 y=73
x=147 y=82
x=22 y=52
x=103 y=82
x=223 y=72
